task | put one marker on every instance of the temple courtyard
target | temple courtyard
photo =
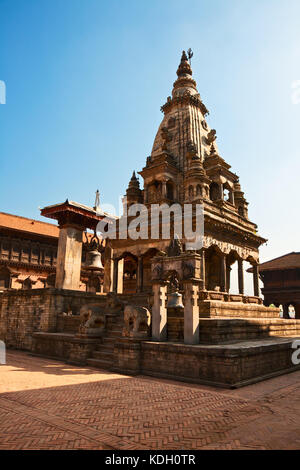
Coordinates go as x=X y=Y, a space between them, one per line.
x=47 y=404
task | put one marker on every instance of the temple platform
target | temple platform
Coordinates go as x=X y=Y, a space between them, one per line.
x=228 y=364
x=233 y=351
x=229 y=330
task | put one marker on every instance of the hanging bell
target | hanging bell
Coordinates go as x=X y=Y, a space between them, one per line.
x=93 y=261
x=175 y=300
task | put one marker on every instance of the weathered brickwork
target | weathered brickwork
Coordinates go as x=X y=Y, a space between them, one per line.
x=227 y=366
x=24 y=312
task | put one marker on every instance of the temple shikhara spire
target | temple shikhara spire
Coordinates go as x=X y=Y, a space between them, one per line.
x=185 y=167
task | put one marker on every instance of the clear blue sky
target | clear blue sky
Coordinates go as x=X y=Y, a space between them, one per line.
x=86 y=78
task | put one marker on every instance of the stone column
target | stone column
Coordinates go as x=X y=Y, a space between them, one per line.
x=228 y=271
x=140 y=274
x=223 y=285
x=120 y=276
x=203 y=268
x=221 y=191
x=255 y=280
x=286 y=311
x=241 y=276
x=191 y=312
x=115 y=276
x=159 y=311
x=164 y=189
x=108 y=270
x=69 y=254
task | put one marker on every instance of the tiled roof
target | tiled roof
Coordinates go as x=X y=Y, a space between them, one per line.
x=25 y=225
x=22 y=224
x=288 y=261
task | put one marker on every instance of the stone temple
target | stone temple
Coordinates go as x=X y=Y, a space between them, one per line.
x=164 y=309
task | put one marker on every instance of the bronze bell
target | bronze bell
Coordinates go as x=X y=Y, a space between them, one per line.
x=175 y=300
x=93 y=260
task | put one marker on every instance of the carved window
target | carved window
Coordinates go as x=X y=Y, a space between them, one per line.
x=35 y=252
x=191 y=192
x=47 y=257
x=214 y=191
x=15 y=252
x=4 y=279
x=5 y=249
x=25 y=253
x=170 y=191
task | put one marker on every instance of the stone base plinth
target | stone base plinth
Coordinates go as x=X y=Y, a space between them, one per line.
x=64 y=346
x=127 y=354
x=227 y=366
x=230 y=330
x=216 y=308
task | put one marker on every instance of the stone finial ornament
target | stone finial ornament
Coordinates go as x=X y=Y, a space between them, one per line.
x=97 y=201
x=184 y=66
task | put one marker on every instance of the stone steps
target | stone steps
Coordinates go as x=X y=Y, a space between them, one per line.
x=103 y=356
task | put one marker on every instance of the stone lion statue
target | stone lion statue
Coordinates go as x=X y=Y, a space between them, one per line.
x=93 y=320
x=93 y=316
x=136 y=321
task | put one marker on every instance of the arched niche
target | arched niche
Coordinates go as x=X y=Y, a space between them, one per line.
x=214 y=191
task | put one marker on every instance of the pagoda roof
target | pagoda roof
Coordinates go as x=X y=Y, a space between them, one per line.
x=87 y=216
x=288 y=261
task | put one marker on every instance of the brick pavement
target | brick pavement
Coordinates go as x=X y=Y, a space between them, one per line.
x=46 y=404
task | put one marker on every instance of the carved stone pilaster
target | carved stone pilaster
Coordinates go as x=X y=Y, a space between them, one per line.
x=159 y=311
x=191 y=312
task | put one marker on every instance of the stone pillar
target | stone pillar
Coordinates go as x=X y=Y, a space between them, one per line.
x=140 y=274
x=108 y=270
x=159 y=311
x=191 y=312
x=286 y=311
x=223 y=285
x=68 y=266
x=241 y=276
x=255 y=280
x=221 y=191
x=164 y=189
x=228 y=271
x=115 y=275
x=120 y=276
x=203 y=268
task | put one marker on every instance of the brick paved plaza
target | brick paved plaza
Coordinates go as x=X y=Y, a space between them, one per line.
x=46 y=404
